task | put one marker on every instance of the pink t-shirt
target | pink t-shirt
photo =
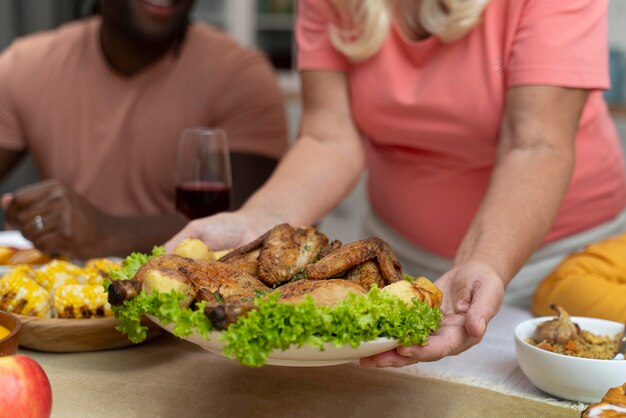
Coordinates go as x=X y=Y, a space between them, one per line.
x=430 y=113
x=114 y=138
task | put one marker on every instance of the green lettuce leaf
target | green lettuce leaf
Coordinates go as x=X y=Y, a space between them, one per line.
x=166 y=307
x=357 y=319
x=130 y=265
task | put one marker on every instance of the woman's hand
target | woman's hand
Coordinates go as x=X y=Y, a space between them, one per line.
x=226 y=230
x=472 y=295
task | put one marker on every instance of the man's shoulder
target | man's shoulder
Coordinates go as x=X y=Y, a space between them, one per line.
x=45 y=43
x=212 y=43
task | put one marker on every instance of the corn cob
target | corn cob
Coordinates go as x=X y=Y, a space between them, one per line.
x=22 y=295
x=81 y=301
x=57 y=273
x=97 y=269
x=21 y=270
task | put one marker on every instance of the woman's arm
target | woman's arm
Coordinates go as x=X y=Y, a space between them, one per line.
x=533 y=169
x=534 y=166
x=319 y=170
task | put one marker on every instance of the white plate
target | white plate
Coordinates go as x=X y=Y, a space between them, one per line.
x=305 y=356
x=14 y=239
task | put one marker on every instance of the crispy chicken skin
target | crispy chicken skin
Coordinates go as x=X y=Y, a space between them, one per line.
x=366 y=275
x=245 y=249
x=324 y=292
x=165 y=262
x=280 y=253
x=246 y=261
x=217 y=281
x=356 y=253
x=332 y=246
x=287 y=251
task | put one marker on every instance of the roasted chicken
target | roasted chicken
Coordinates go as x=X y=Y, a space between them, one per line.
x=281 y=253
x=294 y=262
x=196 y=279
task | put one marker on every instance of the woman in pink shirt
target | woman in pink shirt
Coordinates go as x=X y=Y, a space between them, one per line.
x=483 y=129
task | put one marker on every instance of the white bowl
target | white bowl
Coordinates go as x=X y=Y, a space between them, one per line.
x=573 y=378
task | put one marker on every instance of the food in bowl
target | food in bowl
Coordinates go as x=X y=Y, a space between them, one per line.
x=290 y=287
x=562 y=336
x=57 y=289
x=569 y=377
x=4 y=332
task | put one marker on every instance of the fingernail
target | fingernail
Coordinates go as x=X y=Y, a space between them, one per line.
x=483 y=326
x=387 y=364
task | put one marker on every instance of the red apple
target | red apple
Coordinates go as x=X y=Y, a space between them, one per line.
x=24 y=388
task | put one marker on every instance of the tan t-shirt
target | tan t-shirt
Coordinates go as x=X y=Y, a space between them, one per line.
x=113 y=138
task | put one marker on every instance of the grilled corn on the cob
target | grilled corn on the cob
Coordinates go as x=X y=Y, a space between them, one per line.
x=59 y=289
x=97 y=269
x=81 y=301
x=57 y=273
x=22 y=295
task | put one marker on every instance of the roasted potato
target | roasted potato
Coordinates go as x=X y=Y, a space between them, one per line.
x=195 y=249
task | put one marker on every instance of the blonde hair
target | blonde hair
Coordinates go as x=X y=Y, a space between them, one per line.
x=361 y=26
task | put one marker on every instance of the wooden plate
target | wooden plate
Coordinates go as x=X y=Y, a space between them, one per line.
x=59 y=335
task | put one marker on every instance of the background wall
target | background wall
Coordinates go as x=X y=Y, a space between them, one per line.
x=617 y=23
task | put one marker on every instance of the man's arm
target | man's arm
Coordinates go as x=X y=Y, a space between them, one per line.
x=60 y=221
x=8 y=160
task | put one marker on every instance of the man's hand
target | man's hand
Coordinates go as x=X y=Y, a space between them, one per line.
x=472 y=295
x=57 y=220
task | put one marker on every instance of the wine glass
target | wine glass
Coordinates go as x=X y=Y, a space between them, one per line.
x=203 y=176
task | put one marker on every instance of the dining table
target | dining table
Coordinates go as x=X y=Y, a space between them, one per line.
x=170 y=377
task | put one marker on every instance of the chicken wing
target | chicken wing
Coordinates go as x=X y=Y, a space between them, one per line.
x=356 y=253
x=246 y=261
x=366 y=275
x=217 y=281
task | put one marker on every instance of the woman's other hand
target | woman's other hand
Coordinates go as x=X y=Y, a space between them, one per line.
x=472 y=295
x=225 y=230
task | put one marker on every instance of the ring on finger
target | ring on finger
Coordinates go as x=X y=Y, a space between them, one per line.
x=39 y=223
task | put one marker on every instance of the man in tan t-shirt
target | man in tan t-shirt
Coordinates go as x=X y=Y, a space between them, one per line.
x=99 y=105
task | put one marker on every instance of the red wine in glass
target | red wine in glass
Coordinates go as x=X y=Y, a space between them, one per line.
x=202 y=198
